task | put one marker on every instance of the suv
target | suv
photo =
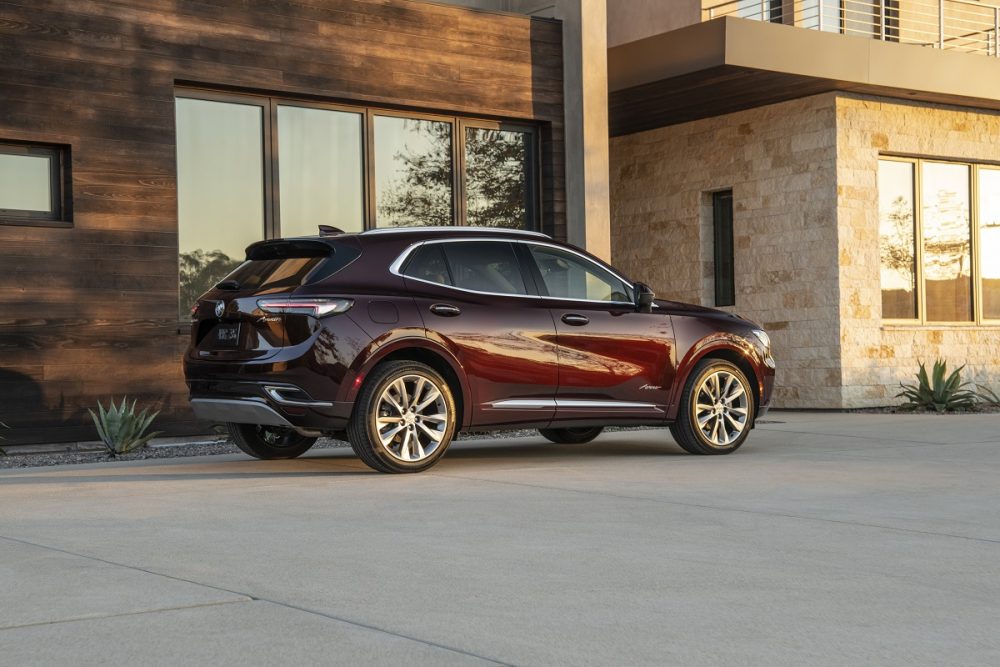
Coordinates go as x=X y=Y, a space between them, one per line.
x=397 y=339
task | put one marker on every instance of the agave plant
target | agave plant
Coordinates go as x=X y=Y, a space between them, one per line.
x=121 y=429
x=937 y=392
x=988 y=396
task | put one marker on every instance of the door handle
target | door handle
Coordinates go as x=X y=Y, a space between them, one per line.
x=446 y=310
x=575 y=320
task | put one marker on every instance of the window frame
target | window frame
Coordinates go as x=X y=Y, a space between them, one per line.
x=921 y=320
x=59 y=186
x=540 y=281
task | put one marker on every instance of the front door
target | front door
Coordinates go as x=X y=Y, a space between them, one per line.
x=612 y=358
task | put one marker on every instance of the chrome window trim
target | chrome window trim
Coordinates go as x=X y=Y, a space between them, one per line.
x=396 y=268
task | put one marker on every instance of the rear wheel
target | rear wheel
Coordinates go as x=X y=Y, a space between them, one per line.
x=571 y=436
x=716 y=409
x=270 y=442
x=404 y=418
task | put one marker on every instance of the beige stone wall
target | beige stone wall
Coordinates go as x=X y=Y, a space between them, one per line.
x=780 y=162
x=877 y=356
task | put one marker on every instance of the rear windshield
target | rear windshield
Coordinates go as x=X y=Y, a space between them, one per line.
x=280 y=266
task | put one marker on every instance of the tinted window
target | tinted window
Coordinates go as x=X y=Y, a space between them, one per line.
x=277 y=266
x=484 y=266
x=947 y=242
x=569 y=276
x=413 y=172
x=428 y=264
x=497 y=178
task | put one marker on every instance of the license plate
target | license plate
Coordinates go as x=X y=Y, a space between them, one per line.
x=227 y=335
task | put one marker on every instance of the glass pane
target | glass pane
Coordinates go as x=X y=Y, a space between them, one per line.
x=220 y=191
x=320 y=170
x=485 y=266
x=413 y=172
x=568 y=276
x=496 y=178
x=897 y=249
x=947 y=271
x=989 y=240
x=428 y=264
x=25 y=183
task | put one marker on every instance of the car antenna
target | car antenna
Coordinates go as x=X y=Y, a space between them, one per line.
x=329 y=230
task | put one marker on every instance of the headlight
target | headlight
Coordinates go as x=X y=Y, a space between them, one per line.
x=764 y=339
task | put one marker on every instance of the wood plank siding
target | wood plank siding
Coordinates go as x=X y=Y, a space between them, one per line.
x=88 y=311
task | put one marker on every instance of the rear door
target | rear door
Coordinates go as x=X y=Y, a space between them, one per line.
x=613 y=359
x=233 y=321
x=474 y=299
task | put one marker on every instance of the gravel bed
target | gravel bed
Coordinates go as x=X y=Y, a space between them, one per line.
x=208 y=448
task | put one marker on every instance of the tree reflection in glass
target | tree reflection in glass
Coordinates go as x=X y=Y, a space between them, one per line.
x=896 y=240
x=989 y=240
x=947 y=242
x=497 y=192
x=413 y=172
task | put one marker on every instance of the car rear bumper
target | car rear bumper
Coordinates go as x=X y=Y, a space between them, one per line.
x=266 y=403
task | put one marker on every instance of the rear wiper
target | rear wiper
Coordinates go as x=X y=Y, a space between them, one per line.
x=230 y=285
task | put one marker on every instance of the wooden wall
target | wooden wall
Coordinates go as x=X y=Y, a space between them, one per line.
x=88 y=312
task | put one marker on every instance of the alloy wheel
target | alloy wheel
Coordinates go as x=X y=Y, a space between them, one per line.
x=412 y=418
x=721 y=408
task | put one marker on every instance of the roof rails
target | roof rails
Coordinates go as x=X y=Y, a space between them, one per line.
x=453 y=230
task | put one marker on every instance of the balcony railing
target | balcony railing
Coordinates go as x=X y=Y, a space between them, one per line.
x=962 y=25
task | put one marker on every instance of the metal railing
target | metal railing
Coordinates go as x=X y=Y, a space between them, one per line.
x=962 y=25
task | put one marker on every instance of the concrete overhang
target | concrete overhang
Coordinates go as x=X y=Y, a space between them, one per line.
x=730 y=64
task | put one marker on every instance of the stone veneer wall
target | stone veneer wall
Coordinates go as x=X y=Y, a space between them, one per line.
x=876 y=357
x=780 y=162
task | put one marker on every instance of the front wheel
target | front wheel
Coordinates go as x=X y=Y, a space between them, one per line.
x=270 y=442
x=716 y=409
x=404 y=418
x=571 y=436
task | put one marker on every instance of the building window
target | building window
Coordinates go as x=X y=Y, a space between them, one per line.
x=499 y=181
x=722 y=248
x=253 y=167
x=414 y=174
x=939 y=254
x=32 y=184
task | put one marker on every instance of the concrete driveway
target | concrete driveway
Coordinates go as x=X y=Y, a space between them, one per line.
x=829 y=539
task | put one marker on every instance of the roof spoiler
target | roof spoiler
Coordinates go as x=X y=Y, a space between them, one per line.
x=284 y=248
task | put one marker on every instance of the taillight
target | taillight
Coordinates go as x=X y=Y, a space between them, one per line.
x=305 y=306
x=194 y=310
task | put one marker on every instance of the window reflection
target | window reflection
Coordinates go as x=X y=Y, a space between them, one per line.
x=989 y=240
x=413 y=172
x=947 y=250
x=496 y=178
x=25 y=183
x=320 y=173
x=896 y=242
x=220 y=191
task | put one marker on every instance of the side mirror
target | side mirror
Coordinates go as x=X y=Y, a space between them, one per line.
x=644 y=296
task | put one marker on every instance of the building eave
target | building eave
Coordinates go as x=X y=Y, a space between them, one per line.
x=731 y=64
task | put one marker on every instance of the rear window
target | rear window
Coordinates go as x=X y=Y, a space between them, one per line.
x=281 y=265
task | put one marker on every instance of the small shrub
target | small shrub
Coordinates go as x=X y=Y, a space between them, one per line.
x=937 y=392
x=988 y=396
x=121 y=429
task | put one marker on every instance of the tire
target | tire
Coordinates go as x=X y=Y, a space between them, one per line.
x=723 y=422
x=270 y=442
x=404 y=418
x=571 y=436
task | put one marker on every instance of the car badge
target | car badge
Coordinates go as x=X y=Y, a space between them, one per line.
x=220 y=308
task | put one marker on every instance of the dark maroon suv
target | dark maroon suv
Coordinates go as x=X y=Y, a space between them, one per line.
x=399 y=338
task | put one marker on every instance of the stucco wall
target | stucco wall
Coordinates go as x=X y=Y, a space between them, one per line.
x=780 y=162
x=877 y=356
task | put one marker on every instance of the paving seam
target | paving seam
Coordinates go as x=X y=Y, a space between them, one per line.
x=101 y=617
x=250 y=597
x=717 y=508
